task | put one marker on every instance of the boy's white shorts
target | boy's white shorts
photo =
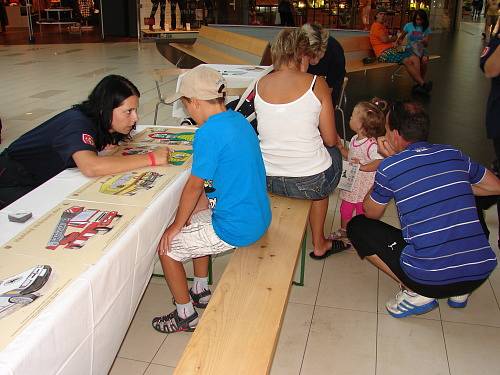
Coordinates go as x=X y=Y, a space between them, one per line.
x=197 y=239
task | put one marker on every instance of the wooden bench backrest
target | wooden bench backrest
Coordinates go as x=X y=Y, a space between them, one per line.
x=239 y=329
x=356 y=47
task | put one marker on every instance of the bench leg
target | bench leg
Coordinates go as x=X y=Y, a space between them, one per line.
x=302 y=262
x=396 y=73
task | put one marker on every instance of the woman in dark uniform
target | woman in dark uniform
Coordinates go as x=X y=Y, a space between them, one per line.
x=73 y=138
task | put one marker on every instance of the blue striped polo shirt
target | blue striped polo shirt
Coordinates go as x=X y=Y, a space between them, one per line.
x=431 y=185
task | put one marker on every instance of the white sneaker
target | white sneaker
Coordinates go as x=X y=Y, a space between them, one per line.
x=409 y=303
x=458 y=302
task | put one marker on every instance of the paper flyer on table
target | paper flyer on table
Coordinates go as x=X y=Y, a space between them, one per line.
x=73 y=230
x=167 y=136
x=27 y=285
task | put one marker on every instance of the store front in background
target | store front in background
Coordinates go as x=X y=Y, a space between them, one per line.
x=356 y=14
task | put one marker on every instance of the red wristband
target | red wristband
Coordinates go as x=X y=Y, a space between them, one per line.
x=152 y=159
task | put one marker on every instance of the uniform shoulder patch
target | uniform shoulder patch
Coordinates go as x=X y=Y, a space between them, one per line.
x=87 y=139
x=485 y=51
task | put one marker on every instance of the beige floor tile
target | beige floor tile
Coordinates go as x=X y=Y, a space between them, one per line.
x=141 y=341
x=495 y=283
x=172 y=348
x=472 y=349
x=157 y=299
x=31 y=114
x=292 y=340
x=123 y=366
x=154 y=369
x=341 y=342
x=308 y=293
x=387 y=289
x=349 y=283
x=410 y=346
x=482 y=308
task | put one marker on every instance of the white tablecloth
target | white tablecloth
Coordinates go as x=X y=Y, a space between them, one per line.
x=80 y=332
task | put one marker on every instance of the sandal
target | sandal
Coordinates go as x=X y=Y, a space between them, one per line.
x=337 y=247
x=172 y=322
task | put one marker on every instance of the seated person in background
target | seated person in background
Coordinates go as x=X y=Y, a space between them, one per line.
x=328 y=58
x=368 y=122
x=297 y=134
x=73 y=138
x=386 y=51
x=224 y=203
x=417 y=33
x=441 y=250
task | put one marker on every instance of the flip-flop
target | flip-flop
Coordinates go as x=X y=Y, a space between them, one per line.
x=337 y=247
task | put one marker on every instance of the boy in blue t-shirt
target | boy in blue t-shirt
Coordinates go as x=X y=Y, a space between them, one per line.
x=224 y=203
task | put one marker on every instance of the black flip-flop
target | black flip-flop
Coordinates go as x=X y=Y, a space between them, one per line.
x=337 y=247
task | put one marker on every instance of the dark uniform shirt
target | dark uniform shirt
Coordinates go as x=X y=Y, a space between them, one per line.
x=493 y=106
x=47 y=150
x=332 y=65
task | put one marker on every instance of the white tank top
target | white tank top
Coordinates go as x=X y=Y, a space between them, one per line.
x=290 y=141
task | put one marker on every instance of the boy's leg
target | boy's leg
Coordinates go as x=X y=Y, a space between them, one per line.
x=175 y=275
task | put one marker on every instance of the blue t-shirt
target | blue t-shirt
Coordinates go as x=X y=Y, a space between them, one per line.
x=48 y=149
x=226 y=154
x=431 y=185
x=415 y=33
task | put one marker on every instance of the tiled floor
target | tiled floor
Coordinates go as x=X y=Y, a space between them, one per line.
x=335 y=324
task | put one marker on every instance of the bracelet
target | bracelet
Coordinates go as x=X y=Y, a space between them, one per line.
x=152 y=159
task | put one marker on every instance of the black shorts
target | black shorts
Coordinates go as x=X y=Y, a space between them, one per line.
x=374 y=237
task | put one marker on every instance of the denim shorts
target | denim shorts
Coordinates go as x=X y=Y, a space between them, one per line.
x=315 y=187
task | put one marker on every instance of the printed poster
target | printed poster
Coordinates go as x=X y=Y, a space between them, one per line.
x=165 y=136
x=73 y=231
x=27 y=285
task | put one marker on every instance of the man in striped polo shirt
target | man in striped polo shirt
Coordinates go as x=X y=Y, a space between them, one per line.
x=441 y=250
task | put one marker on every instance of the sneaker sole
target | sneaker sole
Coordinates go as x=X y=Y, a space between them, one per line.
x=457 y=305
x=417 y=310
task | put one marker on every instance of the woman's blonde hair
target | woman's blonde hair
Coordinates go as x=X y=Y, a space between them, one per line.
x=318 y=37
x=289 y=48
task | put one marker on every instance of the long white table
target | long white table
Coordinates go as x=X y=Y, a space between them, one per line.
x=80 y=332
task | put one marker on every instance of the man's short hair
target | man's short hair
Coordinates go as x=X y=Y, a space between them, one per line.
x=410 y=120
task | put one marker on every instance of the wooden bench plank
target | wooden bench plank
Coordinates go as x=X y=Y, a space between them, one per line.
x=238 y=331
x=207 y=55
x=252 y=47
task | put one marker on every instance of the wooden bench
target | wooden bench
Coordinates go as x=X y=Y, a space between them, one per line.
x=216 y=46
x=239 y=329
x=356 y=48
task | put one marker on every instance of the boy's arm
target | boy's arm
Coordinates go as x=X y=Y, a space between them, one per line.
x=190 y=195
x=371 y=166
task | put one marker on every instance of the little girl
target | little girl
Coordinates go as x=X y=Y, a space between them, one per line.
x=368 y=121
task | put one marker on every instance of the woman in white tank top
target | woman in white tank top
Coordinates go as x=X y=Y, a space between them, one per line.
x=297 y=134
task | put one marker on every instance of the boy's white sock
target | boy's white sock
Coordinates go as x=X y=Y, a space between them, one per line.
x=185 y=310
x=200 y=284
